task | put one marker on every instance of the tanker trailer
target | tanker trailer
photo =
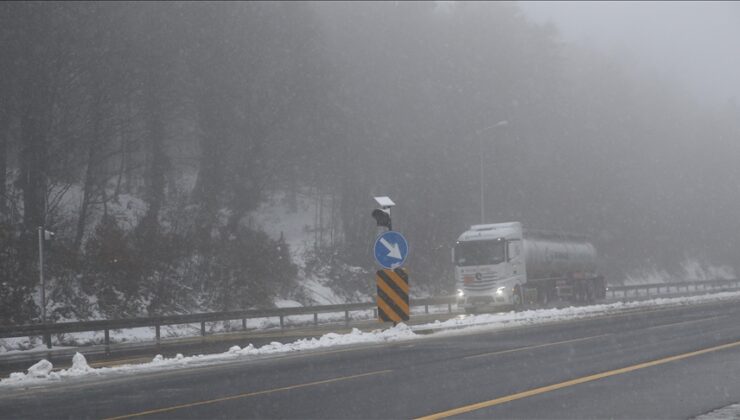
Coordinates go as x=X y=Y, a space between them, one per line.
x=503 y=266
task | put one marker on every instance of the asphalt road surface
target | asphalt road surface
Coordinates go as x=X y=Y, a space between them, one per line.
x=667 y=363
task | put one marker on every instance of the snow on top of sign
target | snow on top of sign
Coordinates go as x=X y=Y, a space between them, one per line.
x=385 y=201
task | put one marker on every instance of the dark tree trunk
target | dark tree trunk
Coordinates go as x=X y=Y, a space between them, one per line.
x=87 y=191
x=210 y=182
x=34 y=123
x=4 y=125
x=158 y=162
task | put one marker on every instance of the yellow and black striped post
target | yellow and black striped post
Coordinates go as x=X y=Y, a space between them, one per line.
x=393 y=295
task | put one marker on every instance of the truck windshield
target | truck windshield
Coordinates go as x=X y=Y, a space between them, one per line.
x=480 y=253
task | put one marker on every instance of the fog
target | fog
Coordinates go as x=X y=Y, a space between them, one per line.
x=693 y=44
x=147 y=136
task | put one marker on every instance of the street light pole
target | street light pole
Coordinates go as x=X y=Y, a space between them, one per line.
x=482 y=201
x=482 y=175
x=41 y=275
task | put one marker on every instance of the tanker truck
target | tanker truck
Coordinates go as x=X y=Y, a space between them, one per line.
x=504 y=266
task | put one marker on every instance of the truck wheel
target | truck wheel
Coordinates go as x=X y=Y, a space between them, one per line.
x=543 y=296
x=518 y=299
x=590 y=294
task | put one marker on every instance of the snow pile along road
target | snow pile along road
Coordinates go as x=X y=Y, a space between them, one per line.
x=42 y=372
x=724 y=413
x=541 y=316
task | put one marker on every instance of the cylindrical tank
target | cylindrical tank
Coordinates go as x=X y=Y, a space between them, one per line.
x=552 y=257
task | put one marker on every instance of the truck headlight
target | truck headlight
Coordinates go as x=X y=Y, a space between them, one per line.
x=460 y=293
x=500 y=291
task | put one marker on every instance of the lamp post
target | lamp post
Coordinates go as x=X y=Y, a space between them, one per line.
x=44 y=235
x=41 y=275
x=482 y=175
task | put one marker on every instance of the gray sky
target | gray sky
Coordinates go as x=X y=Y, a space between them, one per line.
x=696 y=44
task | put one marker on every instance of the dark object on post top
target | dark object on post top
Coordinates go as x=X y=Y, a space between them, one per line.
x=383 y=218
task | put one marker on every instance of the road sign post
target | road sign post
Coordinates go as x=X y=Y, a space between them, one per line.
x=390 y=251
x=393 y=295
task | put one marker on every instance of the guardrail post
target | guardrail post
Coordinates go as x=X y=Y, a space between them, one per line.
x=375 y=313
x=346 y=318
x=202 y=328
x=107 y=340
x=426 y=309
x=244 y=324
x=157 y=333
x=315 y=319
x=47 y=339
x=449 y=308
x=282 y=322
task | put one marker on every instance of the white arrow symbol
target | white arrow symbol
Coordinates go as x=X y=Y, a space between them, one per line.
x=394 y=250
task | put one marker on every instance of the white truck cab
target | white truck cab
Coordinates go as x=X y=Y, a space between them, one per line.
x=504 y=265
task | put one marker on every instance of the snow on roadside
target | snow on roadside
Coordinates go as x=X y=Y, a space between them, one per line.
x=542 y=316
x=729 y=412
x=41 y=372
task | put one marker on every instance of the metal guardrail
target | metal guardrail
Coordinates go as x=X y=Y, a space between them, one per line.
x=673 y=287
x=46 y=330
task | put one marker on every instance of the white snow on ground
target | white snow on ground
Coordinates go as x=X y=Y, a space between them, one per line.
x=729 y=412
x=691 y=269
x=42 y=372
x=297 y=228
x=17 y=345
x=24 y=345
x=126 y=209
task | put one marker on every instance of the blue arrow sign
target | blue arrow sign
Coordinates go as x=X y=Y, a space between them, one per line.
x=391 y=249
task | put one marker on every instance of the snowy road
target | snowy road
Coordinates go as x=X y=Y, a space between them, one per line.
x=652 y=363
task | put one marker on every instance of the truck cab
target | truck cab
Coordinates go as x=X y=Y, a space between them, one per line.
x=490 y=267
x=503 y=265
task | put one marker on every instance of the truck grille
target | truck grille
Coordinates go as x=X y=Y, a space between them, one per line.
x=481 y=299
x=479 y=281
